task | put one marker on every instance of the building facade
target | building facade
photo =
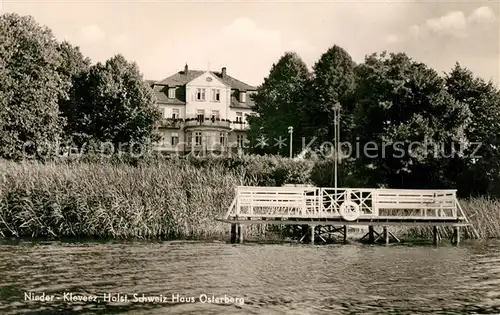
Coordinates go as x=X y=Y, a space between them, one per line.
x=203 y=111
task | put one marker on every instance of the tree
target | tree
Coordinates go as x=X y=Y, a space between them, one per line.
x=73 y=66
x=73 y=63
x=408 y=124
x=477 y=175
x=333 y=82
x=30 y=87
x=111 y=103
x=278 y=104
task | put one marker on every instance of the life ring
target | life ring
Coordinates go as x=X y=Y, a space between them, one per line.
x=349 y=211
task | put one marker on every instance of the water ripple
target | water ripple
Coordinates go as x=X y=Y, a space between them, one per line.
x=272 y=279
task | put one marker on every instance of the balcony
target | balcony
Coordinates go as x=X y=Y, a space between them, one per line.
x=207 y=122
x=171 y=123
x=239 y=125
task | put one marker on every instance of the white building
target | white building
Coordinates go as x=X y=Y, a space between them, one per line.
x=203 y=111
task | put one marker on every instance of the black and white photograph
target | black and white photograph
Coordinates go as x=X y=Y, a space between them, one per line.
x=249 y=157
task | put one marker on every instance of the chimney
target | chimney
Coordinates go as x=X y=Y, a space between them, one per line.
x=186 y=69
x=223 y=72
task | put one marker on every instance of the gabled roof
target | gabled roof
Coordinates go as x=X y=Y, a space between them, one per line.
x=161 y=93
x=235 y=103
x=181 y=78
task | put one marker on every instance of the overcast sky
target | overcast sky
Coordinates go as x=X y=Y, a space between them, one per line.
x=248 y=36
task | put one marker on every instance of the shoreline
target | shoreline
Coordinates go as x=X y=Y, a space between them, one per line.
x=270 y=238
x=168 y=200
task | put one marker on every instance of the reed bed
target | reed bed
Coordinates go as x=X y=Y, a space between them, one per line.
x=174 y=199
x=167 y=200
x=483 y=213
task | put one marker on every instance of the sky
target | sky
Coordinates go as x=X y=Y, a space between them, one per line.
x=247 y=37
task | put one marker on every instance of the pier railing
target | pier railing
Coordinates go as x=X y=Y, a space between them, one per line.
x=349 y=204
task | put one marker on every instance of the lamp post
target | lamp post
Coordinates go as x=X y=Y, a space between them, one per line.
x=336 y=135
x=290 y=131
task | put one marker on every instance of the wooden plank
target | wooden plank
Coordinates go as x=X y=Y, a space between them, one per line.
x=300 y=222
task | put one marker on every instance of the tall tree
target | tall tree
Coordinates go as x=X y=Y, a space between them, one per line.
x=479 y=170
x=278 y=105
x=333 y=82
x=111 y=103
x=407 y=122
x=30 y=87
x=73 y=67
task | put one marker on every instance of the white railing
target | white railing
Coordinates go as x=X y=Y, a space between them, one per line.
x=416 y=203
x=347 y=203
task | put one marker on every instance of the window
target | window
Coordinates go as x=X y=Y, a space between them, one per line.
x=200 y=94
x=243 y=97
x=215 y=95
x=175 y=113
x=215 y=114
x=175 y=139
x=222 y=138
x=239 y=140
x=239 y=117
x=200 y=114
x=197 y=138
x=171 y=93
x=164 y=137
x=164 y=112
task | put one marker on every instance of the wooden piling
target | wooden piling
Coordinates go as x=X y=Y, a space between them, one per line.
x=386 y=235
x=456 y=235
x=371 y=234
x=435 y=235
x=240 y=233
x=233 y=233
x=312 y=234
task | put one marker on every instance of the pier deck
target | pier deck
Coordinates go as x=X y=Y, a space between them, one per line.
x=309 y=207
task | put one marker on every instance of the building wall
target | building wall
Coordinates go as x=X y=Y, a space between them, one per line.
x=167 y=110
x=190 y=111
x=192 y=104
x=232 y=113
x=166 y=142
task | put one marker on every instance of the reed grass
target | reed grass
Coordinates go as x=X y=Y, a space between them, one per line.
x=168 y=200
x=483 y=213
x=174 y=199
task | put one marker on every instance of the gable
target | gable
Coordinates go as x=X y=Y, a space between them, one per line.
x=207 y=79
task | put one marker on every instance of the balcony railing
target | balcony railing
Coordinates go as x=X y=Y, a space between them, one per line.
x=173 y=123
x=240 y=125
x=207 y=122
x=177 y=123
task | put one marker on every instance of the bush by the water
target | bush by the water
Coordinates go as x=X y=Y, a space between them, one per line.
x=170 y=198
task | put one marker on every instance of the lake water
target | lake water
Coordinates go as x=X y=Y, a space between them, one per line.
x=249 y=278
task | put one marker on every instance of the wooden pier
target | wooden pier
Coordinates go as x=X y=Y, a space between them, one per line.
x=316 y=211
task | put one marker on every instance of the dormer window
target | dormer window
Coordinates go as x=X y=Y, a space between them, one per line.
x=243 y=97
x=171 y=92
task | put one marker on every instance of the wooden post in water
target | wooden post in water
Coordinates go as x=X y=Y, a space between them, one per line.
x=233 y=233
x=345 y=233
x=386 y=235
x=240 y=233
x=312 y=234
x=371 y=234
x=435 y=235
x=456 y=235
